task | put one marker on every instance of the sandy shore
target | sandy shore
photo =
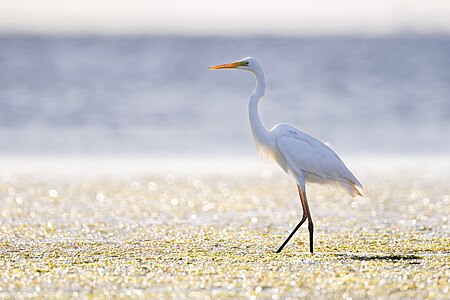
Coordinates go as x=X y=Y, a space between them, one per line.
x=213 y=235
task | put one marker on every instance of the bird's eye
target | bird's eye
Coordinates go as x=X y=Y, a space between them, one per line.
x=247 y=63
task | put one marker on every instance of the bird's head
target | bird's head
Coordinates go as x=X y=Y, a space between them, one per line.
x=246 y=64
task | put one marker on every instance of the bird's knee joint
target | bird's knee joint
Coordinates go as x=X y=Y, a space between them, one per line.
x=311 y=226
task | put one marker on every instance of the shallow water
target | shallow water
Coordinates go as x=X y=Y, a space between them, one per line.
x=201 y=235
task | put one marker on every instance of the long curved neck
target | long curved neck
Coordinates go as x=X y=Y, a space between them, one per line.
x=258 y=129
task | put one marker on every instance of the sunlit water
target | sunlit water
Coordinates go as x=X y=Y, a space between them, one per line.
x=174 y=235
x=153 y=95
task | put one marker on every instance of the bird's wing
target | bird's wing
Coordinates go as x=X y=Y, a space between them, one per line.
x=307 y=155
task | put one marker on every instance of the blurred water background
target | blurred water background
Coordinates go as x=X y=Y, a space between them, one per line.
x=153 y=95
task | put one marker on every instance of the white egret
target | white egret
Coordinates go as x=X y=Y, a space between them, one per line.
x=302 y=156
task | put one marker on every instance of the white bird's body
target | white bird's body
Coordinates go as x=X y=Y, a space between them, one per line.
x=302 y=156
x=307 y=159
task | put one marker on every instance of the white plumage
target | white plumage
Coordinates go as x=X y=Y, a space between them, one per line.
x=299 y=154
x=313 y=160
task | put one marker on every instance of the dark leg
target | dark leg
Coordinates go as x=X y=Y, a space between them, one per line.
x=310 y=222
x=292 y=233
x=311 y=236
x=305 y=215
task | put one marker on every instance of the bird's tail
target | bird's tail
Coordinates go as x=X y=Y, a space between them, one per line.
x=353 y=189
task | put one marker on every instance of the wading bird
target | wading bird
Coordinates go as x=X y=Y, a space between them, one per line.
x=302 y=156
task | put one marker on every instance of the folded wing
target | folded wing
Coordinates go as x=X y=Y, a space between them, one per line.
x=314 y=159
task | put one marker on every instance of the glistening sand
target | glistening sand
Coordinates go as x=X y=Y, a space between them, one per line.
x=194 y=234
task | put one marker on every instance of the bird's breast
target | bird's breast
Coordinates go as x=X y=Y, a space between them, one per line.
x=266 y=151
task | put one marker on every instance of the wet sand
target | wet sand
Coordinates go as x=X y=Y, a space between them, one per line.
x=199 y=235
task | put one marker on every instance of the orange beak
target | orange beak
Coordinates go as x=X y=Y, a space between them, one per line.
x=226 y=66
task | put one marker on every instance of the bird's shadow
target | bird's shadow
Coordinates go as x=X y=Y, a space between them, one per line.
x=411 y=258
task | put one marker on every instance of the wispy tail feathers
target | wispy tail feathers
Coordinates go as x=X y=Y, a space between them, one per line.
x=353 y=189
